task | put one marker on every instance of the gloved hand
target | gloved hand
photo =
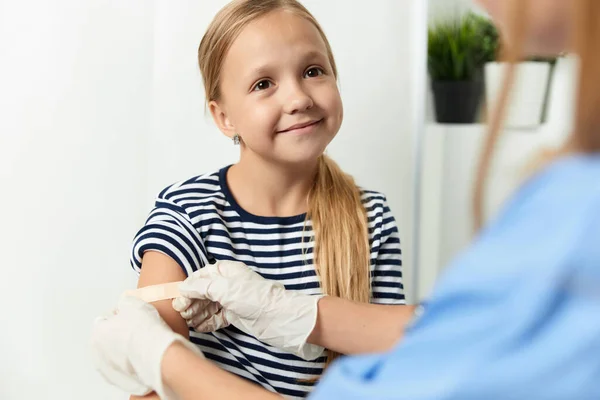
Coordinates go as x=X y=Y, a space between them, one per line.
x=257 y=306
x=128 y=347
x=202 y=315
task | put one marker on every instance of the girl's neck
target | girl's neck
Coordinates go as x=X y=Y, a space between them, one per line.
x=266 y=189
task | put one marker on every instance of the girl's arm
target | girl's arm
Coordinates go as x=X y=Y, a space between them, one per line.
x=351 y=328
x=348 y=327
x=158 y=268
x=216 y=383
x=342 y=325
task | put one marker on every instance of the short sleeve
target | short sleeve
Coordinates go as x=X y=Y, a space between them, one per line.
x=387 y=283
x=169 y=230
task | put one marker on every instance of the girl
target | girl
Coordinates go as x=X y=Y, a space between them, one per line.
x=515 y=317
x=285 y=209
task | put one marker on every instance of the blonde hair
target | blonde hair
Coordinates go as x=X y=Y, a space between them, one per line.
x=585 y=137
x=338 y=217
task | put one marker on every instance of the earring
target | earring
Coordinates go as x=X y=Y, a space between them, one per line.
x=236 y=139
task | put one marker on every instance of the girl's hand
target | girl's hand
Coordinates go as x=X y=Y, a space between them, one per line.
x=255 y=305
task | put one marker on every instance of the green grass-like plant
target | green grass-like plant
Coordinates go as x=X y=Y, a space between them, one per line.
x=457 y=49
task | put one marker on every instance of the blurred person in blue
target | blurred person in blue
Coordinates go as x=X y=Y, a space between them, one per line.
x=517 y=315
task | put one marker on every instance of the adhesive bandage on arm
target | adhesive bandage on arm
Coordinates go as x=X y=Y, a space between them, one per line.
x=154 y=293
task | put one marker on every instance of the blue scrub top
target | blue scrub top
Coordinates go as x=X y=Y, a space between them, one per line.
x=517 y=316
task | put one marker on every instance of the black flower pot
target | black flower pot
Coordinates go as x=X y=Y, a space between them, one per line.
x=457 y=102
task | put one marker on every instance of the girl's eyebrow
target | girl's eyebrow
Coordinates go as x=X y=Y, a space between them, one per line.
x=260 y=70
x=265 y=68
x=312 y=54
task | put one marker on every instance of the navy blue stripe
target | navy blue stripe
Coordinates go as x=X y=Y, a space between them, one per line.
x=374 y=207
x=193 y=179
x=394 y=262
x=259 y=242
x=282 y=356
x=160 y=203
x=265 y=377
x=393 y=296
x=179 y=192
x=167 y=251
x=374 y=196
x=384 y=250
x=389 y=220
x=242 y=229
x=392 y=240
x=387 y=273
x=303 y=286
x=203 y=202
x=169 y=235
x=275 y=264
x=190 y=229
x=268 y=363
x=376 y=216
x=165 y=230
x=236 y=364
x=247 y=252
x=387 y=284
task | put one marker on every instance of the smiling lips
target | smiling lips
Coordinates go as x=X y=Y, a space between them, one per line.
x=302 y=127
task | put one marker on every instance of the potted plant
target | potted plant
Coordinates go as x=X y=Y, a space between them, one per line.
x=455 y=60
x=529 y=95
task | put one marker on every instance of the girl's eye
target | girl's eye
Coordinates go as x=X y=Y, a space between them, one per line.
x=262 y=85
x=313 y=72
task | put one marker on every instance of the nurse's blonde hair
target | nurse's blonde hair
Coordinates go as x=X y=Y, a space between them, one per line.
x=585 y=137
x=339 y=219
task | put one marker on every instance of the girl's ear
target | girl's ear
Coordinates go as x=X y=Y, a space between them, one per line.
x=220 y=117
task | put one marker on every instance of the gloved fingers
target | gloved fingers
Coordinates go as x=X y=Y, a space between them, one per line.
x=197 y=318
x=124 y=381
x=213 y=323
x=204 y=314
x=132 y=304
x=232 y=269
x=223 y=268
x=181 y=304
x=214 y=282
x=103 y=355
x=127 y=301
x=100 y=328
x=196 y=307
x=196 y=287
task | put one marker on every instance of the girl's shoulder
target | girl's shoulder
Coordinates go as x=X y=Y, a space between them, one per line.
x=198 y=188
x=373 y=201
x=372 y=196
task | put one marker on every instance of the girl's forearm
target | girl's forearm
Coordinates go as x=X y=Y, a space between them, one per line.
x=348 y=327
x=194 y=378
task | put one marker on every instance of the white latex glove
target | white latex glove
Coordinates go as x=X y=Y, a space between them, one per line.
x=260 y=307
x=128 y=347
x=202 y=315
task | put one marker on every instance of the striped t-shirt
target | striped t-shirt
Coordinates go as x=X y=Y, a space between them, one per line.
x=197 y=221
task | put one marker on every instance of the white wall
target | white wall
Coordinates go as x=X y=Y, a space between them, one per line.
x=100 y=106
x=442 y=9
x=74 y=104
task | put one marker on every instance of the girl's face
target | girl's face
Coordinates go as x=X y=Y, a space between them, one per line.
x=548 y=23
x=278 y=91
